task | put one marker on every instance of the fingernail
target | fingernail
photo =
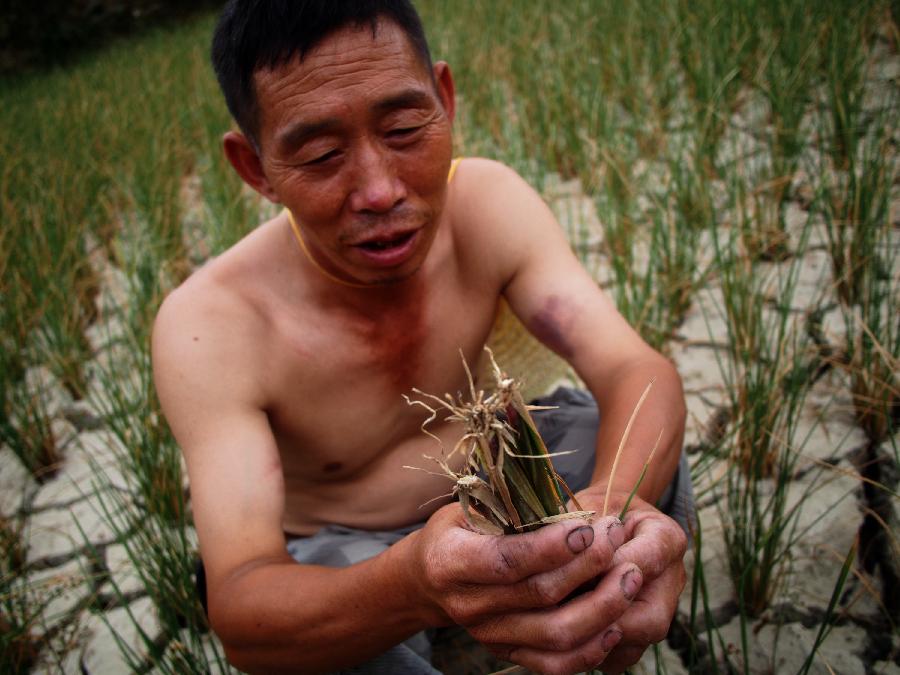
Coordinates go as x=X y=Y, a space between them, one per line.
x=631 y=583
x=610 y=639
x=580 y=539
x=616 y=533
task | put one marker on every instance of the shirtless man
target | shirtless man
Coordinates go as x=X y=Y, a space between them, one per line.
x=281 y=369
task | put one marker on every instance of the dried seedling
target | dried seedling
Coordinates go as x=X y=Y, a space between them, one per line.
x=507 y=483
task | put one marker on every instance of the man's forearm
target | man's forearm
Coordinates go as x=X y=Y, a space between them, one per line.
x=663 y=412
x=286 y=617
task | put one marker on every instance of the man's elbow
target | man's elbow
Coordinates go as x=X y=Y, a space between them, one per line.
x=679 y=407
x=246 y=641
x=675 y=406
x=244 y=645
x=670 y=409
x=242 y=660
x=236 y=637
x=666 y=381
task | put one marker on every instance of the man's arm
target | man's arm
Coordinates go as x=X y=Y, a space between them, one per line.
x=262 y=604
x=273 y=614
x=562 y=306
x=558 y=301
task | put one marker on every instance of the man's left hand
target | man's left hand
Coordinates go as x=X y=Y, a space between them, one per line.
x=656 y=544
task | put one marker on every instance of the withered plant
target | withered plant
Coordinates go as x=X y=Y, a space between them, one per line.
x=507 y=483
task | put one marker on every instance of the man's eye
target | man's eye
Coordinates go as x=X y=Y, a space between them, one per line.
x=402 y=132
x=321 y=159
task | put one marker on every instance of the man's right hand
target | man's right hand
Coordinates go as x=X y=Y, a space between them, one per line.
x=508 y=591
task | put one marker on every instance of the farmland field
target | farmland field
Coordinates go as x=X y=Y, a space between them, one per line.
x=726 y=170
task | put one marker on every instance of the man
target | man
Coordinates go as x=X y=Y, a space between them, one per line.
x=281 y=367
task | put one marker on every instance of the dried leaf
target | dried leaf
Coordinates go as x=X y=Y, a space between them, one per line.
x=501 y=443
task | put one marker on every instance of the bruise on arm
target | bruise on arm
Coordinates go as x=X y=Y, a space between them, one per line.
x=552 y=323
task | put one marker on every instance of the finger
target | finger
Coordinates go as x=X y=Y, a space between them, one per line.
x=586 y=657
x=646 y=621
x=649 y=617
x=548 y=589
x=566 y=627
x=473 y=604
x=621 y=658
x=511 y=558
x=653 y=542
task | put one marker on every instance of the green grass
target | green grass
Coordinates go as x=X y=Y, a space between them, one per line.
x=19 y=606
x=691 y=127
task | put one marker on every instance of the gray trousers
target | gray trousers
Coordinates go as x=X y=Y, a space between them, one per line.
x=572 y=426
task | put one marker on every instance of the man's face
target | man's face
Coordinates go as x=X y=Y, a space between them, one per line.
x=355 y=141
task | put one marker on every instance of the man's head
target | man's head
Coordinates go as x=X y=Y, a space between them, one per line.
x=261 y=34
x=351 y=127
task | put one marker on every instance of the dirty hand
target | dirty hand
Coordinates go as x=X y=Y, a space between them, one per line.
x=508 y=590
x=656 y=545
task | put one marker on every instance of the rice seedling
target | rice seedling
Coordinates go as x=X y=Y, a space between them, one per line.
x=864 y=257
x=522 y=490
x=845 y=60
x=716 y=42
x=786 y=77
x=51 y=199
x=125 y=396
x=25 y=427
x=55 y=291
x=655 y=270
x=163 y=555
x=19 y=609
x=829 y=615
x=767 y=380
x=859 y=170
x=855 y=208
x=151 y=516
x=153 y=460
x=873 y=362
x=701 y=655
x=872 y=357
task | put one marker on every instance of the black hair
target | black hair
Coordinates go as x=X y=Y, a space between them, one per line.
x=255 y=34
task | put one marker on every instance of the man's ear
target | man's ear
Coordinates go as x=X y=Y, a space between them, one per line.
x=446 y=89
x=245 y=160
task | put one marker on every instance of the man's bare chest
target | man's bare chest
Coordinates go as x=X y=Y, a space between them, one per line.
x=336 y=381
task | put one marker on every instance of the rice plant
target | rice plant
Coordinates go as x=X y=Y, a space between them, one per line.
x=653 y=290
x=522 y=491
x=767 y=380
x=19 y=608
x=717 y=43
x=787 y=74
x=163 y=555
x=25 y=427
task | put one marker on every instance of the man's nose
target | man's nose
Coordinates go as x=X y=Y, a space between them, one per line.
x=378 y=189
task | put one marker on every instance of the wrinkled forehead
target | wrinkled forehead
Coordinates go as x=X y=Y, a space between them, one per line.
x=350 y=68
x=353 y=52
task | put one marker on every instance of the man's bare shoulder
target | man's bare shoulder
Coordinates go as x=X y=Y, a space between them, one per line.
x=205 y=328
x=497 y=216
x=198 y=309
x=208 y=302
x=479 y=178
x=487 y=192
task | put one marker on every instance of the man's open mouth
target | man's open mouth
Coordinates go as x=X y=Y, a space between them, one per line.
x=389 y=249
x=385 y=244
